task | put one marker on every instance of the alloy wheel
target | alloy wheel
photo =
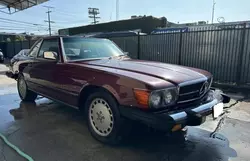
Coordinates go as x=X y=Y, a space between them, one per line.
x=101 y=117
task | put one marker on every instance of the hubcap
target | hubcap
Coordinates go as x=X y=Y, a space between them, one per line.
x=22 y=87
x=101 y=117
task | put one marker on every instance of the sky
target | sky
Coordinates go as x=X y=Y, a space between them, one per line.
x=69 y=13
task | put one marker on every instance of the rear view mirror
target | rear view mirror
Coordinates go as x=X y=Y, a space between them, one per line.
x=50 y=55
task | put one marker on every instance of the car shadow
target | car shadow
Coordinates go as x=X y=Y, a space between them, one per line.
x=143 y=143
x=197 y=145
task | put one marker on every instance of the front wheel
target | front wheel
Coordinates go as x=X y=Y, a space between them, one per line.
x=103 y=117
x=24 y=93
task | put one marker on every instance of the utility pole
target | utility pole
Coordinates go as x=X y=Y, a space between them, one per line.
x=117 y=10
x=213 y=11
x=93 y=12
x=49 y=21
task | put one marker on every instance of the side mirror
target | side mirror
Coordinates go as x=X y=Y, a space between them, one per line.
x=51 y=55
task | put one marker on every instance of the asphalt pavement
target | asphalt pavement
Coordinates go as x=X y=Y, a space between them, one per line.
x=48 y=131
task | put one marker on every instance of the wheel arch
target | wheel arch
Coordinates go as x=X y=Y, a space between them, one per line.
x=88 y=89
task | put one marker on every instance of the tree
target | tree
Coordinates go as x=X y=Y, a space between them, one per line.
x=20 y=38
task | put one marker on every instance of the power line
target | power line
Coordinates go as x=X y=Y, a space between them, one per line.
x=64 y=13
x=23 y=22
x=54 y=25
x=9 y=26
x=18 y=27
x=10 y=29
x=23 y=29
x=23 y=25
x=67 y=14
x=57 y=27
x=76 y=21
x=67 y=21
x=15 y=26
x=11 y=23
x=18 y=24
x=37 y=26
x=60 y=17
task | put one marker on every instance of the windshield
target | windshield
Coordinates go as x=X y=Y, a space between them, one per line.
x=86 y=48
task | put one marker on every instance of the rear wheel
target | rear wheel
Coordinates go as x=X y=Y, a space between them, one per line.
x=24 y=93
x=103 y=117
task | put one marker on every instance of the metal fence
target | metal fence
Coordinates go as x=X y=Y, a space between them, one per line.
x=128 y=44
x=225 y=53
x=12 y=48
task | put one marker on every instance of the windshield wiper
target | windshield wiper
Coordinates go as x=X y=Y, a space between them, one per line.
x=118 y=56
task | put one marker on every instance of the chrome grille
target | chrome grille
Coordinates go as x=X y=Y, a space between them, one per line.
x=190 y=92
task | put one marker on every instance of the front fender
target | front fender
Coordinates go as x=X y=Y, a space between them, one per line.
x=112 y=91
x=120 y=87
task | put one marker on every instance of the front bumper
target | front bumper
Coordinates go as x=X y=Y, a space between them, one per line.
x=166 y=121
x=11 y=75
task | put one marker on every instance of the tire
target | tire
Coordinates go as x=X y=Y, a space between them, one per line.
x=24 y=93
x=101 y=110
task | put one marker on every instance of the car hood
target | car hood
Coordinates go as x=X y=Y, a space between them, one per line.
x=173 y=73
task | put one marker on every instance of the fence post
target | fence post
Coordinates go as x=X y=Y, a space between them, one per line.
x=138 y=46
x=241 y=54
x=180 y=48
x=29 y=43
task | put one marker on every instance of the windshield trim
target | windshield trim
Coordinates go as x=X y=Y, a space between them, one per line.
x=100 y=58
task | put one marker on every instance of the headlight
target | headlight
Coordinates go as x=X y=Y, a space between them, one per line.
x=168 y=96
x=155 y=99
x=161 y=98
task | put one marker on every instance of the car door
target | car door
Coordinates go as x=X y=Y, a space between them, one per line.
x=42 y=70
x=49 y=75
x=26 y=65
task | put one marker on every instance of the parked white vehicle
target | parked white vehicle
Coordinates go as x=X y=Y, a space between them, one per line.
x=1 y=56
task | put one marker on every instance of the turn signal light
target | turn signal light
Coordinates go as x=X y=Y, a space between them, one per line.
x=176 y=127
x=142 y=97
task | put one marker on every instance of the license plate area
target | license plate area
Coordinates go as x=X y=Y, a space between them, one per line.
x=218 y=110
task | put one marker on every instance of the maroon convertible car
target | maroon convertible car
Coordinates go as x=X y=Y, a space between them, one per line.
x=95 y=76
